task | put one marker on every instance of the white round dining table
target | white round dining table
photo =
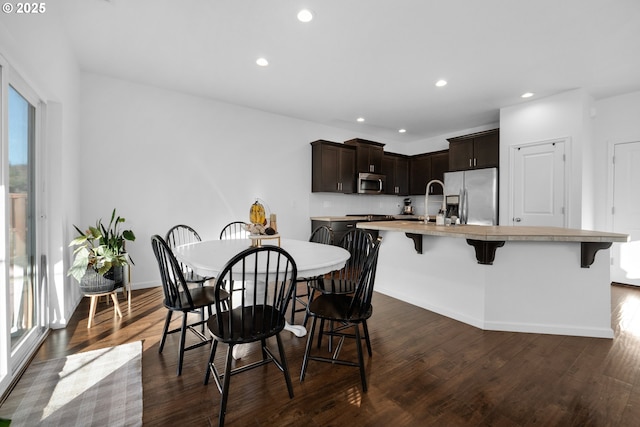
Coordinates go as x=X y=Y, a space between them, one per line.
x=208 y=258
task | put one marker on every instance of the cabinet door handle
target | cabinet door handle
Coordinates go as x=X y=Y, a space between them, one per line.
x=469 y=162
x=475 y=162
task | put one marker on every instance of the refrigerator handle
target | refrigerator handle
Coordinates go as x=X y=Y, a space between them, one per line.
x=465 y=208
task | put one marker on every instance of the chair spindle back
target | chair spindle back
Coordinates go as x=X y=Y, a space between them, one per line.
x=266 y=275
x=363 y=293
x=234 y=230
x=322 y=234
x=359 y=243
x=174 y=286
x=181 y=235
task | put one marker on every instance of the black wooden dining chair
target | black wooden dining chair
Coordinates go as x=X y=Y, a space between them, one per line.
x=181 y=235
x=358 y=243
x=324 y=235
x=350 y=310
x=234 y=230
x=254 y=315
x=178 y=297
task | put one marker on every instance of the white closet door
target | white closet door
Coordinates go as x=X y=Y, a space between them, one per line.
x=539 y=185
x=626 y=212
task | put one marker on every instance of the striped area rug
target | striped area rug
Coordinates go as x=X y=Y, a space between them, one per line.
x=95 y=388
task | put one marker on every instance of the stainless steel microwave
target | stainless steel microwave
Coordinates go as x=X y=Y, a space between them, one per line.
x=371 y=183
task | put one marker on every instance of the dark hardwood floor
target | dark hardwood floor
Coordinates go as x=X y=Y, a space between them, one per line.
x=426 y=369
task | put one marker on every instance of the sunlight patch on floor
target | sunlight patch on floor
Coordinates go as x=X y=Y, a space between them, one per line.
x=78 y=376
x=629 y=314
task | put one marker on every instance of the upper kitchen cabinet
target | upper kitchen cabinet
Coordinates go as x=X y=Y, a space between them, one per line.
x=478 y=150
x=396 y=168
x=425 y=167
x=419 y=173
x=368 y=155
x=439 y=165
x=332 y=167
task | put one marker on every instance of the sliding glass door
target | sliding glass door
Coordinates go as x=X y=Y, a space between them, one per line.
x=23 y=289
x=22 y=299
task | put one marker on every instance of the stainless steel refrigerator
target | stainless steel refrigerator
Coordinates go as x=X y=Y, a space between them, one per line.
x=477 y=193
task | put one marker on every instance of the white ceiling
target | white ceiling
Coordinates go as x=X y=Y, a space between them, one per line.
x=378 y=59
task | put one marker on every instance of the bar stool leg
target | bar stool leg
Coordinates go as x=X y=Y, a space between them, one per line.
x=116 y=306
x=92 y=309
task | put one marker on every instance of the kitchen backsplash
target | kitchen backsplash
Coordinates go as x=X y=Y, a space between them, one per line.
x=330 y=204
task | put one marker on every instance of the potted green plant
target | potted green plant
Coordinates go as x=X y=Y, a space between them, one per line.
x=100 y=255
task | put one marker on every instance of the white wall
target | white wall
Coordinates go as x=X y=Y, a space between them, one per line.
x=566 y=115
x=617 y=120
x=36 y=46
x=162 y=158
x=592 y=127
x=440 y=142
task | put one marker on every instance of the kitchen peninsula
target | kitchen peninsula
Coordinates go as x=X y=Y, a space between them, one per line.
x=521 y=279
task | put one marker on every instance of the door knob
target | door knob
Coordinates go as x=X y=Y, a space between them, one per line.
x=517 y=219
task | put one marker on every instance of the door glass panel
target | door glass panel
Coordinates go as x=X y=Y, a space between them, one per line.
x=23 y=290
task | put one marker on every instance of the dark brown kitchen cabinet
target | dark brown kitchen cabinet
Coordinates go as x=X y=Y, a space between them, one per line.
x=475 y=151
x=332 y=167
x=419 y=173
x=368 y=155
x=396 y=168
x=439 y=165
x=425 y=167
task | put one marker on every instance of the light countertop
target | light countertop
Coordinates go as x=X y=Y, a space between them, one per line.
x=497 y=233
x=364 y=217
x=339 y=218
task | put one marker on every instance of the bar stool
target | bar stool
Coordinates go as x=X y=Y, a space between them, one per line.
x=94 y=303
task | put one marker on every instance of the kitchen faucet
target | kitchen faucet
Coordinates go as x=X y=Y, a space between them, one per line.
x=426 y=199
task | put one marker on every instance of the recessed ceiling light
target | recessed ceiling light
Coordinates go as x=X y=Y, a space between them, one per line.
x=305 y=15
x=360 y=119
x=441 y=83
x=402 y=130
x=262 y=62
x=526 y=95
